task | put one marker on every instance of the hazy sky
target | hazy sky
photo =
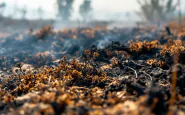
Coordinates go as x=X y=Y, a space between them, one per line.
x=101 y=7
x=113 y=5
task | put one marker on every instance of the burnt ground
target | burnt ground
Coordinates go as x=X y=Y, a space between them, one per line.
x=93 y=71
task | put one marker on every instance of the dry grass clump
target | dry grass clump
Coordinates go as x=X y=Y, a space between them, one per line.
x=40 y=59
x=45 y=31
x=178 y=30
x=57 y=88
x=70 y=72
x=144 y=47
x=68 y=33
x=81 y=33
x=174 y=48
x=89 y=55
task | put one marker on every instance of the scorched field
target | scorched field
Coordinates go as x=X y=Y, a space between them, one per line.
x=93 y=71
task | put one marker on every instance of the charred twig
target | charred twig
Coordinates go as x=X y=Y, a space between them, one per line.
x=133 y=70
x=137 y=63
x=49 y=79
x=83 y=69
x=168 y=30
x=148 y=75
x=122 y=66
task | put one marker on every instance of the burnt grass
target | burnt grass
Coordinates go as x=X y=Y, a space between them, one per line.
x=93 y=71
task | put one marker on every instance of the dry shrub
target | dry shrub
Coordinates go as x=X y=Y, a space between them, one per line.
x=144 y=47
x=180 y=30
x=174 y=48
x=45 y=31
x=87 y=33
x=69 y=33
x=41 y=58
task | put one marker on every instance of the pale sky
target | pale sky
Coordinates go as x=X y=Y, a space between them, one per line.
x=100 y=7
x=113 y=5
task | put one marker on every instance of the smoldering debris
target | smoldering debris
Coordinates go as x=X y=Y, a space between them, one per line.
x=57 y=43
x=92 y=71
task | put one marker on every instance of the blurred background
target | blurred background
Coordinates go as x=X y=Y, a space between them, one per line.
x=73 y=13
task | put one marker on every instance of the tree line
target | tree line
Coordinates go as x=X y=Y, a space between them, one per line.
x=65 y=9
x=150 y=10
